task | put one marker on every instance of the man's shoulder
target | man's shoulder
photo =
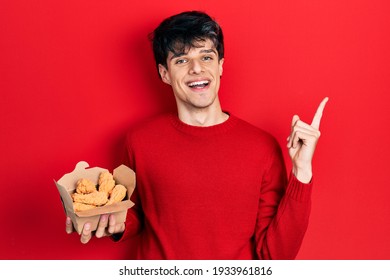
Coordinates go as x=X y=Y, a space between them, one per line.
x=152 y=124
x=252 y=129
x=255 y=133
x=155 y=121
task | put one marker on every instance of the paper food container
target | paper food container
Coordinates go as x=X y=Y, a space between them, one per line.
x=67 y=186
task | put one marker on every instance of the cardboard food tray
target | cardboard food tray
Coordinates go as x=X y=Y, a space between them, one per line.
x=67 y=185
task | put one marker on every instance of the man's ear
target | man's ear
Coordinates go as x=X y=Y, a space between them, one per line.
x=221 y=66
x=164 y=74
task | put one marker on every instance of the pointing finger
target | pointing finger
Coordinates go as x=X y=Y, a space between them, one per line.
x=318 y=115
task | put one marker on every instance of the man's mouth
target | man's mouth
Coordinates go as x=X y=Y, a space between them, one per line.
x=199 y=84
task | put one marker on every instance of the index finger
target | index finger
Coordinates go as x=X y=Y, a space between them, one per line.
x=318 y=115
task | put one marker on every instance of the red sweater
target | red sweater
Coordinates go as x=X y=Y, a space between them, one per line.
x=218 y=192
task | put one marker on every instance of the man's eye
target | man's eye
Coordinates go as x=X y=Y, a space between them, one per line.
x=180 y=61
x=207 y=58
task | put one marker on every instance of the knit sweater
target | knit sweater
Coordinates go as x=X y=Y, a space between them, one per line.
x=217 y=192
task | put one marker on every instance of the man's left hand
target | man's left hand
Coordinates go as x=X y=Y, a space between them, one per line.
x=302 y=143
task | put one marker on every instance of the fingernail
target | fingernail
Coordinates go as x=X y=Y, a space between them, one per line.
x=87 y=226
x=68 y=221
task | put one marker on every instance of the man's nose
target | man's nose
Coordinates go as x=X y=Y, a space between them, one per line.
x=195 y=67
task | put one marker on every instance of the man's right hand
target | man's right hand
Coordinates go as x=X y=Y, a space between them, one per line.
x=107 y=226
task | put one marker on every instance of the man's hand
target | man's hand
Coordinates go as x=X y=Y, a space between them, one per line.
x=107 y=226
x=302 y=143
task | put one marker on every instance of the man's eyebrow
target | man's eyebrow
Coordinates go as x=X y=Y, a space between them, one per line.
x=208 y=51
x=175 y=55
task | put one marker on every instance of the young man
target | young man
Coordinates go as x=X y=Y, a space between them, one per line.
x=209 y=185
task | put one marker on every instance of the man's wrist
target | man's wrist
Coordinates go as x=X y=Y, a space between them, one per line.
x=304 y=175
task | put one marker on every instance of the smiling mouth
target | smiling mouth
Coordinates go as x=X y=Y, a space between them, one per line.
x=199 y=84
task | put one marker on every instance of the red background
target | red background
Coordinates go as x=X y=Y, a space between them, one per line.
x=75 y=75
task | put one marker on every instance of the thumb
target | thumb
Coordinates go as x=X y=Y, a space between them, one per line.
x=294 y=121
x=290 y=138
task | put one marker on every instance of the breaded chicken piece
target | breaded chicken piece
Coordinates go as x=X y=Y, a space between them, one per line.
x=117 y=195
x=106 y=186
x=95 y=198
x=78 y=206
x=85 y=186
x=105 y=175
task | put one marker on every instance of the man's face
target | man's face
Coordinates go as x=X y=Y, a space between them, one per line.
x=194 y=76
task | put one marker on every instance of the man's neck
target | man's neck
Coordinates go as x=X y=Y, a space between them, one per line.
x=203 y=117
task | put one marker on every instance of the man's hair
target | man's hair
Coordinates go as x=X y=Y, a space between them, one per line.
x=183 y=31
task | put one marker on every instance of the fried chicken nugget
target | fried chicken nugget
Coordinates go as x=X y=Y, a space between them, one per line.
x=107 y=186
x=85 y=186
x=95 y=198
x=78 y=206
x=105 y=175
x=117 y=195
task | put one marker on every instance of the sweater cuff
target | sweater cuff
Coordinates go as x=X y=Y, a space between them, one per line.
x=297 y=190
x=132 y=228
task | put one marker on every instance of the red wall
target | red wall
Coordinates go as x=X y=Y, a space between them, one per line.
x=75 y=75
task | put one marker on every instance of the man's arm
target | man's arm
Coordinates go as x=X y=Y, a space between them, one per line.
x=283 y=213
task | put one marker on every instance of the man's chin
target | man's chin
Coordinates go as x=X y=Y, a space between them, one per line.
x=202 y=104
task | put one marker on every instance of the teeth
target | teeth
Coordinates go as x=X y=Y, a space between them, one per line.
x=193 y=84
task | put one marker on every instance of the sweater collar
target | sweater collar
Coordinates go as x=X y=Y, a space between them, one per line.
x=203 y=130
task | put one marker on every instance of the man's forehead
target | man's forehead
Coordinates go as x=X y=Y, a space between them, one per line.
x=198 y=46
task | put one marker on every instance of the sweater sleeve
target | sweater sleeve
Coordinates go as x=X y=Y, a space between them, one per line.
x=283 y=212
x=133 y=223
